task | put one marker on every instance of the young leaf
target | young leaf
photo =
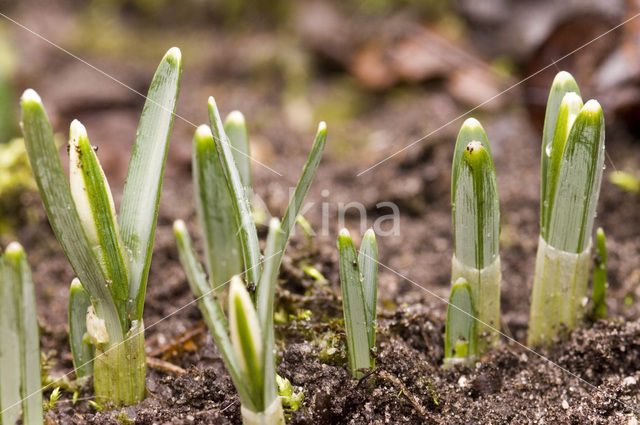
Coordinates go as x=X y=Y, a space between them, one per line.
x=625 y=181
x=600 y=276
x=569 y=110
x=83 y=351
x=18 y=289
x=562 y=84
x=306 y=178
x=59 y=205
x=471 y=130
x=210 y=308
x=248 y=234
x=310 y=167
x=92 y=197
x=9 y=353
x=246 y=338
x=368 y=264
x=265 y=301
x=460 y=334
x=579 y=179
x=355 y=318
x=139 y=209
x=236 y=129
x=476 y=212
x=216 y=213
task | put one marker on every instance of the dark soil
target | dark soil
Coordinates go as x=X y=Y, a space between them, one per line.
x=594 y=375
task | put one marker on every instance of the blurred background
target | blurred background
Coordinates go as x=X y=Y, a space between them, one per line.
x=383 y=74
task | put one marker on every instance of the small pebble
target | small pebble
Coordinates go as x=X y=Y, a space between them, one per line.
x=463 y=382
x=565 y=405
x=629 y=381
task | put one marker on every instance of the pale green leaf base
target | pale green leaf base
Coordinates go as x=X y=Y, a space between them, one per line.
x=485 y=291
x=272 y=415
x=559 y=292
x=450 y=362
x=119 y=373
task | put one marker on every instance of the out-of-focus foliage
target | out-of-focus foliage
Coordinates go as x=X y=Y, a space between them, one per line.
x=427 y=8
x=625 y=181
x=8 y=123
x=15 y=179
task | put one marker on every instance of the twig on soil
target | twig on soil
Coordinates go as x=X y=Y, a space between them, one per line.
x=177 y=344
x=205 y=412
x=410 y=397
x=164 y=366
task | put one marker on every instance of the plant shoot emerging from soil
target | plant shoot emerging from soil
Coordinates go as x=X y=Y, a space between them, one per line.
x=222 y=180
x=20 y=381
x=572 y=164
x=359 y=285
x=476 y=228
x=110 y=256
x=599 y=295
x=460 y=341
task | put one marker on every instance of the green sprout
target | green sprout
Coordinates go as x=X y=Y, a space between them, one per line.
x=460 y=342
x=572 y=164
x=110 y=256
x=476 y=228
x=599 y=295
x=223 y=186
x=359 y=285
x=53 y=398
x=20 y=381
x=290 y=400
x=625 y=181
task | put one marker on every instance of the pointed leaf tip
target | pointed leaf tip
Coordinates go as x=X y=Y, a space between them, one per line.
x=563 y=77
x=203 y=132
x=592 y=107
x=344 y=233
x=14 y=248
x=471 y=124
x=179 y=226
x=322 y=127
x=236 y=118
x=370 y=233
x=77 y=130
x=173 y=53
x=76 y=285
x=30 y=95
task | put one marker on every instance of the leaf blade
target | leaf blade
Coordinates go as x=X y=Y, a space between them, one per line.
x=265 y=304
x=476 y=212
x=461 y=323
x=235 y=127
x=302 y=188
x=244 y=217
x=59 y=205
x=563 y=83
x=141 y=195
x=214 y=206
x=83 y=352
x=600 y=276
x=94 y=203
x=579 y=180
x=471 y=130
x=355 y=320
x=246 y=338
x=368 y=265
x=209 y=306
